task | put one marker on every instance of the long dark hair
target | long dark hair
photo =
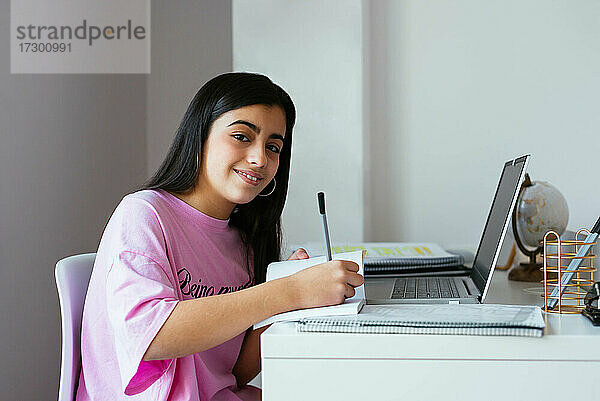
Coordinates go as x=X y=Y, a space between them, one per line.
x=258 y=221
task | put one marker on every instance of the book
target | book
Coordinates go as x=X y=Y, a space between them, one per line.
x=477 y=319
x=351 y=306
x=390 y=257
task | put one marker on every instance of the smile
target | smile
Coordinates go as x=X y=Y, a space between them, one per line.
x=248 y=178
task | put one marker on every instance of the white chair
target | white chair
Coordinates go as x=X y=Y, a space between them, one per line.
x=72 y=278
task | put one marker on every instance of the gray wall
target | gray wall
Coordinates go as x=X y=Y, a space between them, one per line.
x=191 y=43
x=70 y=147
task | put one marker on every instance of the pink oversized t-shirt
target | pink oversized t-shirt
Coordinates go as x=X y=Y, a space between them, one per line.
x=157 y=250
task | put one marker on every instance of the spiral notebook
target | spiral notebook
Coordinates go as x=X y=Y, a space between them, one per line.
x=478 y=319
x=393 y=257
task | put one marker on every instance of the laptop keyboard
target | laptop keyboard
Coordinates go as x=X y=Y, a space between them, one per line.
x=421 y=287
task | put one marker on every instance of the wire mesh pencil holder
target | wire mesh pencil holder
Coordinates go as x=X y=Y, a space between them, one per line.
x=558 y=254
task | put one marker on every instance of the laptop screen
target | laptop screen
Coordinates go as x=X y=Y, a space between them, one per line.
x=497 y=222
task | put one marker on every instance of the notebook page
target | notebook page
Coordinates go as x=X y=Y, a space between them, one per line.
x=286 y=268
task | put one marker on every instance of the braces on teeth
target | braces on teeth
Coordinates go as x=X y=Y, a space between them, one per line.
x=249 y=176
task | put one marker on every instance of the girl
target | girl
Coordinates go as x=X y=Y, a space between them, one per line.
x=179 y=276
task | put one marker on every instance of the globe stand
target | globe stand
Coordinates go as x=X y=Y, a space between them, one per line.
x=531 y=271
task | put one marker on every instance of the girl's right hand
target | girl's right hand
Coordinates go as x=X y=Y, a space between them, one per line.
x=326 y=284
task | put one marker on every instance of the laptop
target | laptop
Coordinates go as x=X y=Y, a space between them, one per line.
x=465 y=285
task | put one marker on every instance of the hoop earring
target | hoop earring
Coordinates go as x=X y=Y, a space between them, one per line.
x=273 y=190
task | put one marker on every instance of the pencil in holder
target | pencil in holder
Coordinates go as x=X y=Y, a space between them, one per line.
x=558 y=253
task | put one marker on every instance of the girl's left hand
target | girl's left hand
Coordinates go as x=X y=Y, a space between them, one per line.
x=300 y=253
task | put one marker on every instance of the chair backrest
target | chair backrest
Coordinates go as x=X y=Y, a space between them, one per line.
x=72 y=278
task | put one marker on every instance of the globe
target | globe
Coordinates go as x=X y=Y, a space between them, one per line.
x=540 y=208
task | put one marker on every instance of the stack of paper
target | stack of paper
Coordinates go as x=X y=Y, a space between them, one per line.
x=388 y=257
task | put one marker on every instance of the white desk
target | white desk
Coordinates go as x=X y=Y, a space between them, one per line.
x=330 y=366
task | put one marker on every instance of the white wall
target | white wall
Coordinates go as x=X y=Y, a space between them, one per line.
x=446 y=92
x=470 y=84
x=313 y=49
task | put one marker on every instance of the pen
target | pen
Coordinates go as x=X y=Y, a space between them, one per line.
x=574 y=265
x=321 y=198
